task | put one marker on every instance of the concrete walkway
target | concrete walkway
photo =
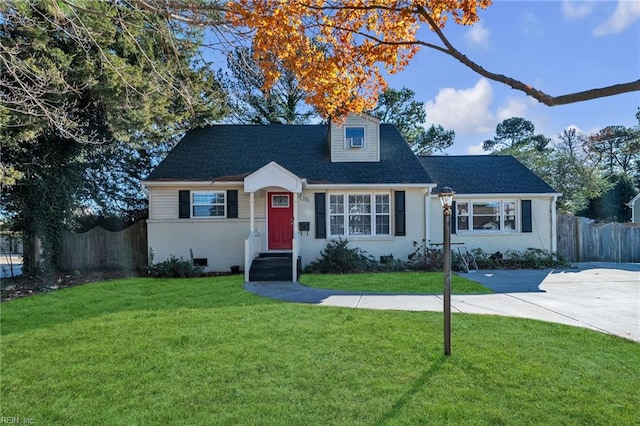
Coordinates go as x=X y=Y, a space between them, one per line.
x=599 y=296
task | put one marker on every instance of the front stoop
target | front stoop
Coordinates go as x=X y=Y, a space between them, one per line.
x=274 y=266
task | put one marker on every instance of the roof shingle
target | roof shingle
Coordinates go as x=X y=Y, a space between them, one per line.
x=484 y=174
x=231 y=152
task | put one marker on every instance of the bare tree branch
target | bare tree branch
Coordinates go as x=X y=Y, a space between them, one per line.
x=540 y=96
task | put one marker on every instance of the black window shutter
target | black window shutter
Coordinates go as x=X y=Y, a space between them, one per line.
x=321 y=215
x=454 y=220
x=526 y=216
x=400 y=214
x=184 y=204
x=232 y=203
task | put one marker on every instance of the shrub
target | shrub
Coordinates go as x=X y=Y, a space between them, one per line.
x=173 y=267
x=337 y=258
x=486 y=260
x=532 y=258
x=425 y=257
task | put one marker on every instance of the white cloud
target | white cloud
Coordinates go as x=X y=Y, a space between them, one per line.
x=514 y=108
x=476 y=149
x=530 y=25
x=574 y=127
x=572 y=9
x=464 y=110
x=478 y=36
x=626 y=14
x=470 y=114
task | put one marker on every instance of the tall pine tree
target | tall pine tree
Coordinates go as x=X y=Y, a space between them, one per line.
x=78 y=84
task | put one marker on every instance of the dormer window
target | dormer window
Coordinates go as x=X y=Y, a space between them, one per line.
x=354 y=137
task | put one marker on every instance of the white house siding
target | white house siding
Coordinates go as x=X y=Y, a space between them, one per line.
x=163 y=203
x=491 y=242
x=399 y=246
x=371 y=151
x=220 y=241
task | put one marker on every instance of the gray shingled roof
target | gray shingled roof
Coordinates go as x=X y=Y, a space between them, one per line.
x=484 y=174
x=231 y=152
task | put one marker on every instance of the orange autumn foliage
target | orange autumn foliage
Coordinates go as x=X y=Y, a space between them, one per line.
x=337 y=49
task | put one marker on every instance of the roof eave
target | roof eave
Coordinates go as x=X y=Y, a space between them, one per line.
x=505 y=194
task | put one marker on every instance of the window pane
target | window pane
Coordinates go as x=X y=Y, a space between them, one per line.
x=382 y=224
x=208 y=204
x=509 y=208
x=279 y=201
x=491 y=208
x=354 y=132
x=485 y=223
x=336 y=204
x=486 y=216
x=217 y=211
x=336 y=225
x=359 y=204
x=217 y=198
x=359 y=225
x=462 y=213
x=382 y=203
x=202 y=198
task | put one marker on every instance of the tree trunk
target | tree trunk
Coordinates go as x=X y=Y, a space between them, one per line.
x=32 y=255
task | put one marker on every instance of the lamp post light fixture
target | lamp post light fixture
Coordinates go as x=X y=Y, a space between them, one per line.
x=446 y=199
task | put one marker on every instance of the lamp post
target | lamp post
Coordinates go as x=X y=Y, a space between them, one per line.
x=446 y=199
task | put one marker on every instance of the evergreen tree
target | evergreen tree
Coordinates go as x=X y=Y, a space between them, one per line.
x=251 y=103
x=80 y=83
x=400 y=108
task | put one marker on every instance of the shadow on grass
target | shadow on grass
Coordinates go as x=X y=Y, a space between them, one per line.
x=418 y=385
x=132 y=294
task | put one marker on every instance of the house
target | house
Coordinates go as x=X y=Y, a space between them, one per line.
x=635 y=209
x=499 y=203
x=251 y=195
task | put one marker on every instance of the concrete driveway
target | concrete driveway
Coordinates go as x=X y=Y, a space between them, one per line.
x=599 y=296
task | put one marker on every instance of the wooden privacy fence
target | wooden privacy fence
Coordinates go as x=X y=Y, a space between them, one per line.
x=582 y=240
x=102 y=249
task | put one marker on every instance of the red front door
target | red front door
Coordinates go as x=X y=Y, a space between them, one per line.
x=280 y=220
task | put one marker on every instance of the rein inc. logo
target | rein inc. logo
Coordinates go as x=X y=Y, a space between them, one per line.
x=16 y=421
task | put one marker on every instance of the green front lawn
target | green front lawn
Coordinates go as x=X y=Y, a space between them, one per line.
x=204 y=351
x=406 y=283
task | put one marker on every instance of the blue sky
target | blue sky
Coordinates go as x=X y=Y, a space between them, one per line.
x=557 y=46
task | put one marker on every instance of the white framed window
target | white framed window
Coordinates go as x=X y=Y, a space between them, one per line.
x=208 y=204
x=354 y=137
x=383 y=214
x=336 y=214
x=359 y=214
x=487 y=216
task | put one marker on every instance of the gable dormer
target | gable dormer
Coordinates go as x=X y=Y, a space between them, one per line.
x=355 y=140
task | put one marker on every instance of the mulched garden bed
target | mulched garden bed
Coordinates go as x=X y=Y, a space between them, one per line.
x=24 y=285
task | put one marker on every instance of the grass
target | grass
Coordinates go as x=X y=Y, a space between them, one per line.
x=405 y=283
x=204 y=351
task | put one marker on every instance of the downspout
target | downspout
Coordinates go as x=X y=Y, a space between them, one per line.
x=294 y=240
x=427 y=214
x=248 y=246
x=554 y=225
